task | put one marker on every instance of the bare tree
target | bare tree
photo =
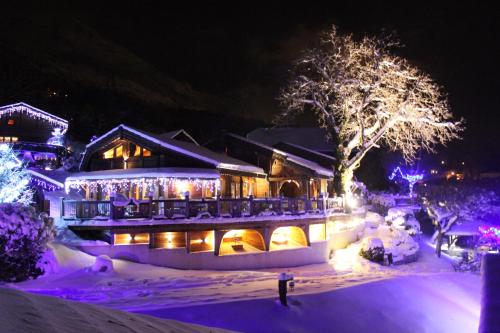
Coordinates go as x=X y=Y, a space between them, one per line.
x=367 y=97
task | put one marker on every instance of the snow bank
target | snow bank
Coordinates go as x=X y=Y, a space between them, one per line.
x=373 y=220
x=22 y=312
x=103 y=264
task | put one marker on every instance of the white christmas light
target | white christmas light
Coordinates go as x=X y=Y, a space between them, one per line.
x=124 y=184
x=34 y=113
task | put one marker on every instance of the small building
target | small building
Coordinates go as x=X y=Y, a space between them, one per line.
x=138 y=164
x=289 y=174
x=36 y=135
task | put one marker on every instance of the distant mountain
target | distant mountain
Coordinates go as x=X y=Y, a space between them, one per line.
x=59 y=63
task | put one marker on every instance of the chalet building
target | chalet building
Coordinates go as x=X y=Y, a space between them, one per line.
x=289 y=174
x=36 y=135
x=138 y=164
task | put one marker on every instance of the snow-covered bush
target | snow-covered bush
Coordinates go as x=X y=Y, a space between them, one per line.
x=398 y=242
x=372 y=248
x=103 y=264
x=403 y=218
x=23 y=240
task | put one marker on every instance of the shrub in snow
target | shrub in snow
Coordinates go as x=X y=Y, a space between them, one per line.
x=403 y=218
x=398 y=242
x=412 y=226
x=48 y=263
x=103 y=264
x=23 y=241
x=372 y=249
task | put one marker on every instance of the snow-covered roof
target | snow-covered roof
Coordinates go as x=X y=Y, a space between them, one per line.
x=145 y=173
x=290 y=157
x=309 y=150
x=34 y=112
x=219 y=161
x=310 y=137
x=175 y=133
x=56 y=177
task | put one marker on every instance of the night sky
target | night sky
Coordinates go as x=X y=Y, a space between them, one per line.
x=235 y=59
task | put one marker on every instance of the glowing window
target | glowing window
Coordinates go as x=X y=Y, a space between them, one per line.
x=146 y=152
x=13 y=139
x=11 y=122
x=119 y=151
x=135 y=150
x=109 y=154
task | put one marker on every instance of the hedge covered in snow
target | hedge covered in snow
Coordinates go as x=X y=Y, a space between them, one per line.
x=23 y=240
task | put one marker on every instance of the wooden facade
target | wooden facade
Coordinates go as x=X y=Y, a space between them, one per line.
x=124 y=148
x=289 y=175
x=24 y=123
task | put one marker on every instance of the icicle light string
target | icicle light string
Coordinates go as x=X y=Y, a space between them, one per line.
x=114 y=185
x=35 y=114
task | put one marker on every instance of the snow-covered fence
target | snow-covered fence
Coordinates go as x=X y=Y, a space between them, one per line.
x=188 y=208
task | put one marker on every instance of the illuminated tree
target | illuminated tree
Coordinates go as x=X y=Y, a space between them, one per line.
x=367 y=97
x=14 y=178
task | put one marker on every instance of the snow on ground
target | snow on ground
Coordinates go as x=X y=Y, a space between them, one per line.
x=349 y=290
x=24 y=313
x=414 y=304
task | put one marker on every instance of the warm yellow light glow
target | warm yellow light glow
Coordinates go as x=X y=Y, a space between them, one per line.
x=109 y=154
x=234 y=233
x=281 y=235
x=317 y=232
x=182 y=186
x=119 y=151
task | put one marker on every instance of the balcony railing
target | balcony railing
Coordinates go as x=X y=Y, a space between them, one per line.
x=197 y=208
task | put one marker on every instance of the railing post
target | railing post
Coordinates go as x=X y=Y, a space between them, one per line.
x=150 y=210
x=217 y=212
x=112 y=197
x=250 y=204
x=186 y=198
x=321 y=203
x=61 y=210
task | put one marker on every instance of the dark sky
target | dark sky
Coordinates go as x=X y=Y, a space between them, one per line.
x=241 y=52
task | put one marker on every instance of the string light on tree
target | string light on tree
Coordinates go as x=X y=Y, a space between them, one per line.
x=14 y=178
x=411 y=179
x=57 y=138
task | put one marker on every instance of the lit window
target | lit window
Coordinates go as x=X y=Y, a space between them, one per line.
x=135 y=150
x=119 y=151
x=13 y=139
x=109 y=154
x=146 y=152
x=11 y=122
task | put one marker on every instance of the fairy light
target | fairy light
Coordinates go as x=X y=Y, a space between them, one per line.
x=115 y=185
x=411 y=179
x=34 y=113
